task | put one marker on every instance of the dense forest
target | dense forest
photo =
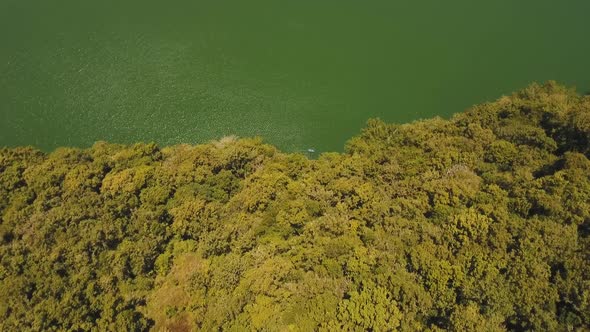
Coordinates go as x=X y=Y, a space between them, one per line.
x=480 y=222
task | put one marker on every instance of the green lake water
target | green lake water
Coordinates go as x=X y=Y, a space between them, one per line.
x=299 y=73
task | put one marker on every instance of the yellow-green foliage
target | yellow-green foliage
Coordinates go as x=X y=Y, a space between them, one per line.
x=477 y=223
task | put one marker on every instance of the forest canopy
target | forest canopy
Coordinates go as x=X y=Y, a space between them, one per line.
x=480 y=222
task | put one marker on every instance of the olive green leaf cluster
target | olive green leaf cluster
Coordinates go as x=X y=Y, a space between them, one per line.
x=476 y=223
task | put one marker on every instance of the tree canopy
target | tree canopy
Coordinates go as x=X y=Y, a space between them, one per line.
x=476 y=223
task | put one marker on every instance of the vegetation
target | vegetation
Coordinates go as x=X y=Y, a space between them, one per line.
x=477 y=223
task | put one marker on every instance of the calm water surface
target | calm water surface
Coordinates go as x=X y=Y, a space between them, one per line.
x=300 y=73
